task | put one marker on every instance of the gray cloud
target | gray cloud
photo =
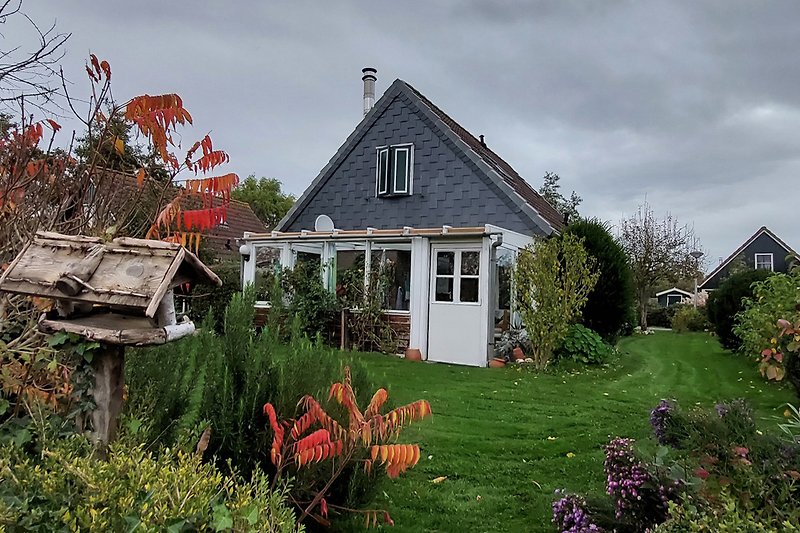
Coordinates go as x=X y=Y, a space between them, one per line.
x=692 y=105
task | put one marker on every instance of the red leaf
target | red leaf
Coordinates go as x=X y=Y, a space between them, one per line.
x=53 y=124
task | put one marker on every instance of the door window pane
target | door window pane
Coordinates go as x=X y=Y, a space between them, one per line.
x=445 y=263
x=470 y=263
x=469 y=290
x=444 y=289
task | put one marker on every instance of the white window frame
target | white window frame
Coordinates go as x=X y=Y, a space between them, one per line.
x=673 y=299
x=771 y=261
x=456 y=276
x=391 y=179
x=378 y=182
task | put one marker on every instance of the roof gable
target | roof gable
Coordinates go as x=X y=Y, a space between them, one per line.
x=763 y=230
x=674 y=290
x=520 y=198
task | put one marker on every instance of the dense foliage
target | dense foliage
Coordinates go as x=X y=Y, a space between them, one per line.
x=54 y=483
x=553 y=279
x=223 y=380
x=583 y=345
x=710 y=463
x=610 y=303
x=688 y=318
x=207 y=299
x=775 y=299
x=727 y=301
x=661 y=317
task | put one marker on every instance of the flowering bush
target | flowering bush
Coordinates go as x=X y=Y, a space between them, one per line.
x=640 y=497
x=663 y=421
x=570 y=514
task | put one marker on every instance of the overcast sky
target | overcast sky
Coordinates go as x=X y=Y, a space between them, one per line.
x=694 y=106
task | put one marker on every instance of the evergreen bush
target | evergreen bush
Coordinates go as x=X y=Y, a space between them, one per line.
x=726 y=302
x=608 y=308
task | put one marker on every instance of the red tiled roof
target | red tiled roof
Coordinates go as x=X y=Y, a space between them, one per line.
x=499 y=165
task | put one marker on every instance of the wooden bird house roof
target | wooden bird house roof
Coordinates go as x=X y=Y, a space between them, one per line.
x=130 y=273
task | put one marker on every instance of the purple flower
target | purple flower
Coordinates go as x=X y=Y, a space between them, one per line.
x=660 y=419
x=570 y=515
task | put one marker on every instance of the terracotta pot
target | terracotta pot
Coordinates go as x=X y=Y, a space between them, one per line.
x=413 y=354
x=497 y=362
x=518 y=354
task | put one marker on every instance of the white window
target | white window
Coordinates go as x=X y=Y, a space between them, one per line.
x=457 y=276
x=764 y=261
x=394 y=170
x=673 y=299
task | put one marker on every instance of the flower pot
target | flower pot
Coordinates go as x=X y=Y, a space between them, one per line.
x=497 y=362
x=518 y=354
x=413 y=354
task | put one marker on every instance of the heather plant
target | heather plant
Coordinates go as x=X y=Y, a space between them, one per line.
x=667 y=423
x=570 y=514
x=640 y=496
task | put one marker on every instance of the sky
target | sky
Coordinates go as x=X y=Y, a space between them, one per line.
x=692 y=106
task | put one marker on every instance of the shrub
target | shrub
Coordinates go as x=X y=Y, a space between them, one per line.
x=553 y=278
x=721 y=516
x=610 y=303
x=661 y=317
x=688 y=318
x=223 y=380
x=62 y=486
x=570 y=514
x=510 y=339
x=726 y=302
x=209 y=299
x=585 y=346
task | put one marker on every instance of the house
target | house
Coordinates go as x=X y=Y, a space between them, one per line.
x=120 y=193
x=763 y=249
x=412 y=189
x=672 y=296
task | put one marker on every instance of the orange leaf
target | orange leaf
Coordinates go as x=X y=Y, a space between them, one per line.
x=119 y=146
x=140 y=178
x=53 y=124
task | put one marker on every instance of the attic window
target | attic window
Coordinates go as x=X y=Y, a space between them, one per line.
x=764 y=261
x=394 y=170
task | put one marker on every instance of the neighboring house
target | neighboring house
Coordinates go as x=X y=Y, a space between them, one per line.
x=672 y=296
x=413 y=189
x=763 y=250
x=148 y=200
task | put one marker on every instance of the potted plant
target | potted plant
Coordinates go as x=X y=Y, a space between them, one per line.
x=513 y=344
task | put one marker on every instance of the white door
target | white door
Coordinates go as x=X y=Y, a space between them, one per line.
x=455 y=321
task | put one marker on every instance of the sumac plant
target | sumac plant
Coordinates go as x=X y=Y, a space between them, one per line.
x=785 y=345
x=317 y=438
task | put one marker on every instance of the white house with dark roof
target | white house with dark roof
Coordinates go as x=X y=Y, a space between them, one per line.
x=413 y=188
x=763 y=249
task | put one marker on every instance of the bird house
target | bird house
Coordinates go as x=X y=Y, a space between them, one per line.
x=118 y=292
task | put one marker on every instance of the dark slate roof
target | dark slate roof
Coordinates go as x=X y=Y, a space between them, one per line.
x=499 y=165
x=739 y=250
x=528 y=202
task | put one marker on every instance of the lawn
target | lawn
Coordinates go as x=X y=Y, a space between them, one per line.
x=507 y=438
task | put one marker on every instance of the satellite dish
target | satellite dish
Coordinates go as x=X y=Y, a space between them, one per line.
x=323 y=223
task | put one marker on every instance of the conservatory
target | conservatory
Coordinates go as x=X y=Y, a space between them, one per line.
x=446 y=292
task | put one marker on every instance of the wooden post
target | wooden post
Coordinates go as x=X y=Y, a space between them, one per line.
x=109 y=384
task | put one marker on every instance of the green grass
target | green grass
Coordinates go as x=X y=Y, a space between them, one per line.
x=501 y=436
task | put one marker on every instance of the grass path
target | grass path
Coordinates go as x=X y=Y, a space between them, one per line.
x=507 y=438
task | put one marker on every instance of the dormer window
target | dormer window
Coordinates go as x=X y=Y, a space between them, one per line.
x=394 y=170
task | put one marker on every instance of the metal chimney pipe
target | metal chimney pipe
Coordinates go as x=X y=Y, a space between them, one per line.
x=369 y=78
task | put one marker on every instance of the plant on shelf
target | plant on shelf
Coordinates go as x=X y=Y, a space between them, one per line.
x=316 y=440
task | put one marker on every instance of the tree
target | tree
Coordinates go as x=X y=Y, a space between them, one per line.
x=553 y=278
x=550 y=192
x=658 y=250
x=28 y=75
x=610 y=303
x=265 y=197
